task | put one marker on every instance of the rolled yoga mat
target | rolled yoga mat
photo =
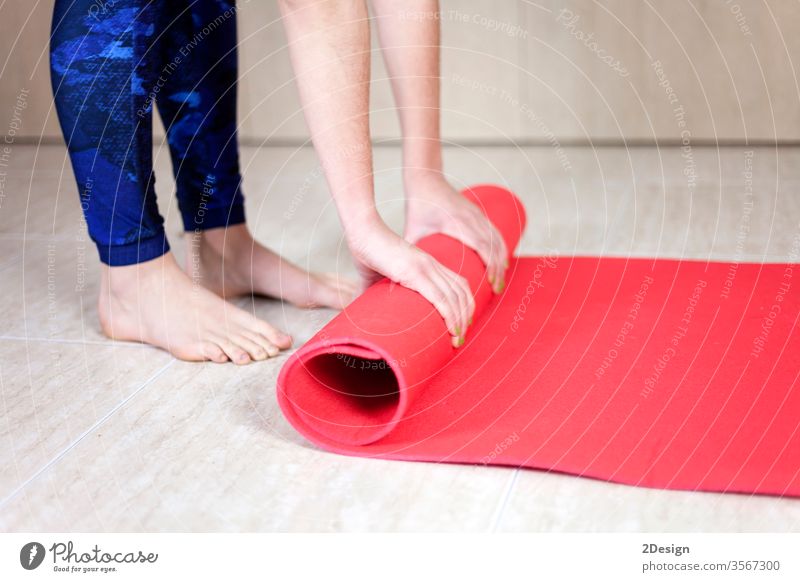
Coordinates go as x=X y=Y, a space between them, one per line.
x=657 y=373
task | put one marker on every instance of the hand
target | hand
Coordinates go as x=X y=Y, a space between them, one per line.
x=380 y=252
x=432 y=205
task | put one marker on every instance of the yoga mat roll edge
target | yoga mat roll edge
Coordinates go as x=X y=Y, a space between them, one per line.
x=647 y=372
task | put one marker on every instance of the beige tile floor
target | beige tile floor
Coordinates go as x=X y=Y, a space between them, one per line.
x=97 y=435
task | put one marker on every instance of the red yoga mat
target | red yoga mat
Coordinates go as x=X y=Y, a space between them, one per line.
x=658 y=373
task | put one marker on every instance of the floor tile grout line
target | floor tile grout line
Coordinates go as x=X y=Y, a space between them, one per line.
x=36 y=237
x=10 y=263
x=83 y=435
x=501 y=507
x=110 y=344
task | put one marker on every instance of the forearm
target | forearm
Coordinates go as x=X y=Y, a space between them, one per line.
x=409 y=38
x=330 y=52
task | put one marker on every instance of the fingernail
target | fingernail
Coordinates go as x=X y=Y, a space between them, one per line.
x=470 y=321
x=506 y=264
x=461 y=341
x=458 y=331
x=500 y=287
x=491 y=279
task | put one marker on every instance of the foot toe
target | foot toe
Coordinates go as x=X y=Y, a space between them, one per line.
x=235 y=353
x=275 y=336
x=213 y=352
x=270 y=348
x=253 y=348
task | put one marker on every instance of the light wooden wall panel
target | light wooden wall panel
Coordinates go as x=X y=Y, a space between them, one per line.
x=517 y=70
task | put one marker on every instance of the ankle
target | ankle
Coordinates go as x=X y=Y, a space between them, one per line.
x=224 y=240
x=125 y=280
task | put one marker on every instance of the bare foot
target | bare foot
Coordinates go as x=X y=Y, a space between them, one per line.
x=229 y=262
x=156 y=303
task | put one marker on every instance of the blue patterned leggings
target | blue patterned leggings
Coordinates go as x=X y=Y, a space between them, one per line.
x=111 y=61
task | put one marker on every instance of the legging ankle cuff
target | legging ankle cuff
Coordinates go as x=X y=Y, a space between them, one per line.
x=135 y=252
x=206 y=218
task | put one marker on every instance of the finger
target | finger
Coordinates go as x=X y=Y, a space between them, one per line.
x=501 y=251
x=461 y=287
x=494 y=268
x=470 y=301
x=482 y=240
x=481 y=243
x=466 y=300
x=423 y=275
x=435 y=291
x=449 y=288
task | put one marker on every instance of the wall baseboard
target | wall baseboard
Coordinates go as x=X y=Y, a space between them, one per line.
x=479 y=143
